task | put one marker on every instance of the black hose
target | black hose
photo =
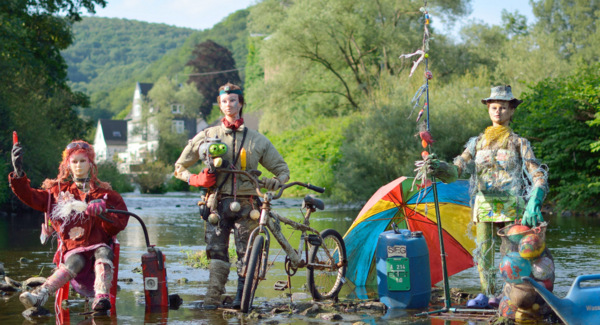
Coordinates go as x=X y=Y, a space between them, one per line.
x=138 y=218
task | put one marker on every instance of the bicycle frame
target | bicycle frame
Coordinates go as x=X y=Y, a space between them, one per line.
x=268 y=226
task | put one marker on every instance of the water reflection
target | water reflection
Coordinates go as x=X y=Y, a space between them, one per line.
x=174 y=226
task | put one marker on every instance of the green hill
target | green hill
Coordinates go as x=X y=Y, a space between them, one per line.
x=109 y=55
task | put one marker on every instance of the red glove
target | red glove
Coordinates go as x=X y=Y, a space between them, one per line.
x=204 y=179
x=96 y=207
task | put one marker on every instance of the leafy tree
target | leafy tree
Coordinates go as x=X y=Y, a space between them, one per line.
x=557 y=116
x=573 y=24
x=108 y=172
x=34 y=97
x=163 y=95
x=209 y=57
x=332 y=52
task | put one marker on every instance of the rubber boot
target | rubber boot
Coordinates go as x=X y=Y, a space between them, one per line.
x=103 y=270
x=237 y=302
x=219 y=271
x=39 y=297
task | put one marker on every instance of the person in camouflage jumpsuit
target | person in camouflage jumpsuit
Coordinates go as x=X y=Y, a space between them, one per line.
x=507 y=181
x=246 y=149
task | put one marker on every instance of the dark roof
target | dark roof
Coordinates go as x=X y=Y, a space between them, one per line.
x=114 y=131
x=145 y=87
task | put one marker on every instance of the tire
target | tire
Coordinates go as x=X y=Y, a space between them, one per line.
x=326 y=283
x=252 y=274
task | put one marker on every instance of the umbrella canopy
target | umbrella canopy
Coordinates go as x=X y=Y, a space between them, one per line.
x=413 y=210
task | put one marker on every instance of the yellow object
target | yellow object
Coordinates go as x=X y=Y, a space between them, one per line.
x=218 y=162
x=496 y=134
x=243 y=159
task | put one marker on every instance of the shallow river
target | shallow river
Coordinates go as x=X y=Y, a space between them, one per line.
x=175 y=227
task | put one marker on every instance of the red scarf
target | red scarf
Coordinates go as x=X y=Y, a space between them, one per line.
x=235 y=125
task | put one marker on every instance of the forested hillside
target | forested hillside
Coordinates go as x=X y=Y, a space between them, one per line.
x=107 y=51
x=109 y=55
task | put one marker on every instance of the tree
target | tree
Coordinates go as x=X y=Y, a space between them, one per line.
x=213 y=66
x=159 y=111
x=557 y=117
x=323 y=58
x=34 y=97
x=573 y=25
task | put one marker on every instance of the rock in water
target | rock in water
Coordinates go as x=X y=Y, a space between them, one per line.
x=35 y=312
x=12 y=282
x=34 y=282
x=7 y=288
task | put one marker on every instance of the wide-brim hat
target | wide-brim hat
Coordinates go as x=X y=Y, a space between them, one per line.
x=502 y=93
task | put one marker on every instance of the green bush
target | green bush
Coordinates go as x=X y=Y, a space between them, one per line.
x=152 y=178
x=108 y=172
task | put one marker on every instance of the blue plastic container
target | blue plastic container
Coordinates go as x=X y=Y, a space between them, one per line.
x=403 y=275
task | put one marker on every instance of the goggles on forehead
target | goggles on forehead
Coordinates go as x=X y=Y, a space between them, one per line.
x=228 y=90
x=78 y=145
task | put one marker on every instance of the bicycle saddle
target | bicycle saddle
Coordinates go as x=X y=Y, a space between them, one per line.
x=311 y=201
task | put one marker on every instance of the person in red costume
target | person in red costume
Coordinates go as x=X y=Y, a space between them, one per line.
x=76 y=202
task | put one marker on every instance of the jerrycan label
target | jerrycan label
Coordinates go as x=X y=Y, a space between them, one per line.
x=396 y=250
x=398 y=275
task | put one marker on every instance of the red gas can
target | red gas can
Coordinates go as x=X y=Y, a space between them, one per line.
x=155 y=278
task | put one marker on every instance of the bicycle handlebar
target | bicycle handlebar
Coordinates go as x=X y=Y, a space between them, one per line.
x=257 y=183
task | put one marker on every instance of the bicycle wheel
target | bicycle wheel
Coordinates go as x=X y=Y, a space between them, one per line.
x=252 y=274
x=325 y=279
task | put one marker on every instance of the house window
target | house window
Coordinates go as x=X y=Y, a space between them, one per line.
x=177 y=108
x=178 y=126
x=116 y=134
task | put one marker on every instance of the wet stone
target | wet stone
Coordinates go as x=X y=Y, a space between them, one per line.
x=34 y=282
x=7 y=288
x=372 y=305
x=35 y=312
x=311 y=311
x=329 y=316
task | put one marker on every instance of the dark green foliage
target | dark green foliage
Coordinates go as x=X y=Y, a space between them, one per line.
x=108 y=172
x=209 y=57
x=177 y=185
x=555 y=117
x=34 y=97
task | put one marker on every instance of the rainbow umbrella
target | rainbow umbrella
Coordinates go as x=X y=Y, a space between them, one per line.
x=413 y=210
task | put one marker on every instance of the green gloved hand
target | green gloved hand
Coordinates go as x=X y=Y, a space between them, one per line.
x=533 y=211
x=446 y=172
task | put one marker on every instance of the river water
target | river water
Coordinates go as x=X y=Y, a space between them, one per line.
x=174 y=226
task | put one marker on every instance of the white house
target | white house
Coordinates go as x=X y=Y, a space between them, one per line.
x=143 y=137
x=110 y=140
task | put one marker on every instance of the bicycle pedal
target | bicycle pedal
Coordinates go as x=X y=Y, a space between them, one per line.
x=314 y=240
x=281 y=285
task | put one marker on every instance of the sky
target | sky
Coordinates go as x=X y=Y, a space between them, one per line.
x=203 y=14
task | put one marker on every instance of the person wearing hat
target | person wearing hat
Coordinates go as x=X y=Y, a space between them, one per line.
x=235 y=196
x=507 y=181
